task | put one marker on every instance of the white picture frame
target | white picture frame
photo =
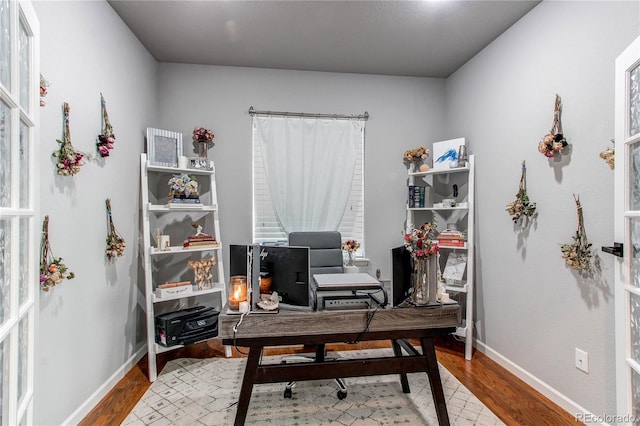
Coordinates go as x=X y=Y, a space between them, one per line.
x=163 y=147
x=445 y=153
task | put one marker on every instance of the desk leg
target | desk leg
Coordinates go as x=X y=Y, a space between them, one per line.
x=429 y=351
x=397 y=351
x=247 y=384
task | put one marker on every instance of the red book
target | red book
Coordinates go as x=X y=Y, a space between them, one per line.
x=451 y=243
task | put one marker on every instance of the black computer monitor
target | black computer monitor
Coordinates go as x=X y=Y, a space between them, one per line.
x=401 y=275
x=288 y=266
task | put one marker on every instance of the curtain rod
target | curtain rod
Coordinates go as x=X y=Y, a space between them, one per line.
x=364 y=116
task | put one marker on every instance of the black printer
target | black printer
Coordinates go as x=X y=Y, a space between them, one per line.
x=186 y=326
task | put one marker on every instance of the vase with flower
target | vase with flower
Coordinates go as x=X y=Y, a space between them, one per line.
x=415 y=159
x=202 y=137
x=350 y=247
x=423 y=249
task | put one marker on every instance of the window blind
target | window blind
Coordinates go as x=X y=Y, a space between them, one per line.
x=266 y=228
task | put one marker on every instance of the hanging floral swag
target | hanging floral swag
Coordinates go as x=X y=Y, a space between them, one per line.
x=107 y=139
x=52 y=269
x=68 y=159
x=578 y=254
x=44 y=84
x=554 y=141
x=115 y=243
x=608 y=155
x=522 y=206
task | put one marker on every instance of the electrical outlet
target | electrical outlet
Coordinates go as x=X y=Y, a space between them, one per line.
x=582 y=360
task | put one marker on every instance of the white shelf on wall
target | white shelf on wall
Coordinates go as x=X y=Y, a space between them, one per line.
x=438 y=186
x=161 y=266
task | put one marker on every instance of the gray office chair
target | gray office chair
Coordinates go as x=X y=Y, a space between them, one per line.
x=325 y=257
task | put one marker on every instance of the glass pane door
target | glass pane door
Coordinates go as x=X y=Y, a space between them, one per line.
x=19 y=92
x=627 y=230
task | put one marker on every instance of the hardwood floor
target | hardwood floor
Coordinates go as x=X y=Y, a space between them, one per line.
x=512 y=400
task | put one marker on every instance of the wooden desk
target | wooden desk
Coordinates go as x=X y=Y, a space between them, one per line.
x=321 y=327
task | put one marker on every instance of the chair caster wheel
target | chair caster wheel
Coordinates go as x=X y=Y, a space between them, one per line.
x=342 y=395
x=287 y=393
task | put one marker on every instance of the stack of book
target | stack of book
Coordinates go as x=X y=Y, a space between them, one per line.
x=416 y=196
x=192 y=202
x=448 y=238
x=200 y=241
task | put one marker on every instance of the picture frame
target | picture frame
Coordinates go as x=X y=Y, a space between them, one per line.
x=454 y=268
x=199 y=163
x=445 y=153
x=163 y=147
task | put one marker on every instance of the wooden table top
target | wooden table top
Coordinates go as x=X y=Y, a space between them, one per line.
x=287 y=327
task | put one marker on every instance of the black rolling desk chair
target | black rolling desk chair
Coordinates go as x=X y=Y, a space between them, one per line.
x=325 y=253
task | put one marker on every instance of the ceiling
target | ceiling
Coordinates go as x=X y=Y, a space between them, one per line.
x=407 y=38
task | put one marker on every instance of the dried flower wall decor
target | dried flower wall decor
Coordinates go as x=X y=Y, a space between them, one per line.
x=44 y=84
x=554 y=141
x=107 y=139
x=115 y=243
x=69 y=160
x=577 y=254
x=52 y=270
x=522 y=206
x=608 y=155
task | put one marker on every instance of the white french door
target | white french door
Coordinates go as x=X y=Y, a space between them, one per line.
x=19 y=236
x=627 y=231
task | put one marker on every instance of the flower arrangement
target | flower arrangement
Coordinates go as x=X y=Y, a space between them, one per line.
x=52 y=270
x=115 y=243
x=107 y=138
x=350 y=246
x=202 y=135
x=422 y=242
x=183 y=186
x=417 y=154
x=554 y=141
x=608 y=155
x=68 y=159
x=203 y=272
x=44 y=84
x=522 y=206
x=577 y=254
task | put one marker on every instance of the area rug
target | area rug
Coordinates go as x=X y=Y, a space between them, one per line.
x=205 y=391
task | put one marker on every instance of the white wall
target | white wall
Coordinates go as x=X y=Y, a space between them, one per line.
x=405 y=112
x=89 y=327
x=531 y=309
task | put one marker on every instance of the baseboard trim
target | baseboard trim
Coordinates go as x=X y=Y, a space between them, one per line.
x=85 y=408
x=556 y=397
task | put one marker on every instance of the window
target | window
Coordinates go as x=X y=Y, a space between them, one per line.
x=19 y=237
x=267 y=228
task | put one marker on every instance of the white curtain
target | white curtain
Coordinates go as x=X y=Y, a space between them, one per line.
x=309 y=164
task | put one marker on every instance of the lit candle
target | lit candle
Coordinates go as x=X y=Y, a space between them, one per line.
x=237 y=291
